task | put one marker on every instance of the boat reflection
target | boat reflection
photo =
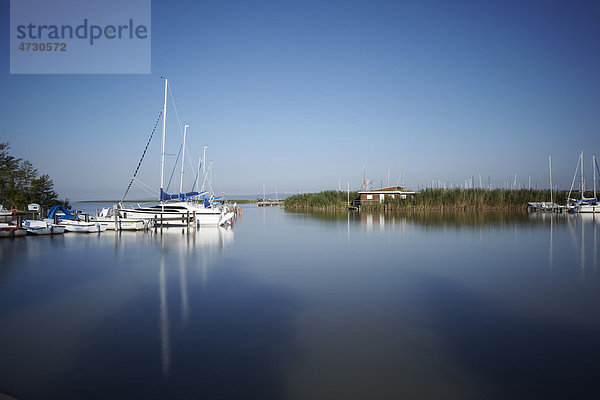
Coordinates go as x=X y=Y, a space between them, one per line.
x=581 y=228
x=184 y=248
x=165 y=345
x=180 y=249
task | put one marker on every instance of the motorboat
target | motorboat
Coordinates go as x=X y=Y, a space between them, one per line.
x=9 y=230
x=61 y=216
x=42 y=227
x=5 y=215
x=82 y=226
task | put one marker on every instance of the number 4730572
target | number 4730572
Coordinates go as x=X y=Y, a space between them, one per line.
x=26 y=46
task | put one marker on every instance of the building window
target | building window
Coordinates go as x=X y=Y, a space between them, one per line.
x=369 y=197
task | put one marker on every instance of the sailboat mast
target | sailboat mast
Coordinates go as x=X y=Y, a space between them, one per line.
x=550 y=166
x=162 y=152
x=182 y=160
x=574 y=177
x=210 y=168
x=203 y=169
x=582 y=182
x=594 y=169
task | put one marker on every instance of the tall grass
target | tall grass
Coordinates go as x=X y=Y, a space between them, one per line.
x=329 y=199
x=434 y=199
x=472 y=199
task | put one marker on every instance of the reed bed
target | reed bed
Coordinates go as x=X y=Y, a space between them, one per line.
x=329 y=199
x=472 y=199
x=500 y=199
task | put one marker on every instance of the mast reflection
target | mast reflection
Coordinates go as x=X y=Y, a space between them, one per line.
x=184 y=248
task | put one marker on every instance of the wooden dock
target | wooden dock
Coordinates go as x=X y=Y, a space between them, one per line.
x=544 y=207
x=269 y=203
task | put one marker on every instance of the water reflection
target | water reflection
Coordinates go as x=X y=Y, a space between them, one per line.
x=164 y=319
x=504 y=301
x=307 y=305
x=185 y=308
x=185 y=243
x=582 y=227
x=512 y=354
x=375 y=220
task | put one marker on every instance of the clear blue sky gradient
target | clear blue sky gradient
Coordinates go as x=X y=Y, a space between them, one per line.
x=299 y=95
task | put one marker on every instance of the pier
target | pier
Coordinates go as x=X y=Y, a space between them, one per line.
x=269 y=203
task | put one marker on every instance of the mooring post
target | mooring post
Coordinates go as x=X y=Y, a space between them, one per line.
x=116 y=216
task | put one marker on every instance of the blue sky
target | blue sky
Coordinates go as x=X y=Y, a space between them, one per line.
x=299 y=95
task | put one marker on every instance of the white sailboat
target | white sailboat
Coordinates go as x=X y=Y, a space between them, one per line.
x=107 y=218
x=584 y=205
x=590 y=205
x=176 y=213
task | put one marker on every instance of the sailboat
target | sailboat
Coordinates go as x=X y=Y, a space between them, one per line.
x=584 y=205
x=176 y=209
x=591 y=205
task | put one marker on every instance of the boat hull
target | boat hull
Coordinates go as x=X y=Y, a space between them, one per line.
x=11 y=231
x=175 y=217
x=124 y=225
x=50 y=230
x=85 y=227
x=589 y=209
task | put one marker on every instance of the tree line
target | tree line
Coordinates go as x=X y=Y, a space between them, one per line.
x=20 y=183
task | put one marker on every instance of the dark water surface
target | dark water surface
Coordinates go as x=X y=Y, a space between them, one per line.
x=307 y=306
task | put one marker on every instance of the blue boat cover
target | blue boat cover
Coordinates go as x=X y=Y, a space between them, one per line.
x=54 y=209
x=180 y=196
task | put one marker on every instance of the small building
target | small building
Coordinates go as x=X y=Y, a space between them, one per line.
x=380 y=195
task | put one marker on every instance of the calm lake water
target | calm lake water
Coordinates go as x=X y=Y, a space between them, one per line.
x=288 y=305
